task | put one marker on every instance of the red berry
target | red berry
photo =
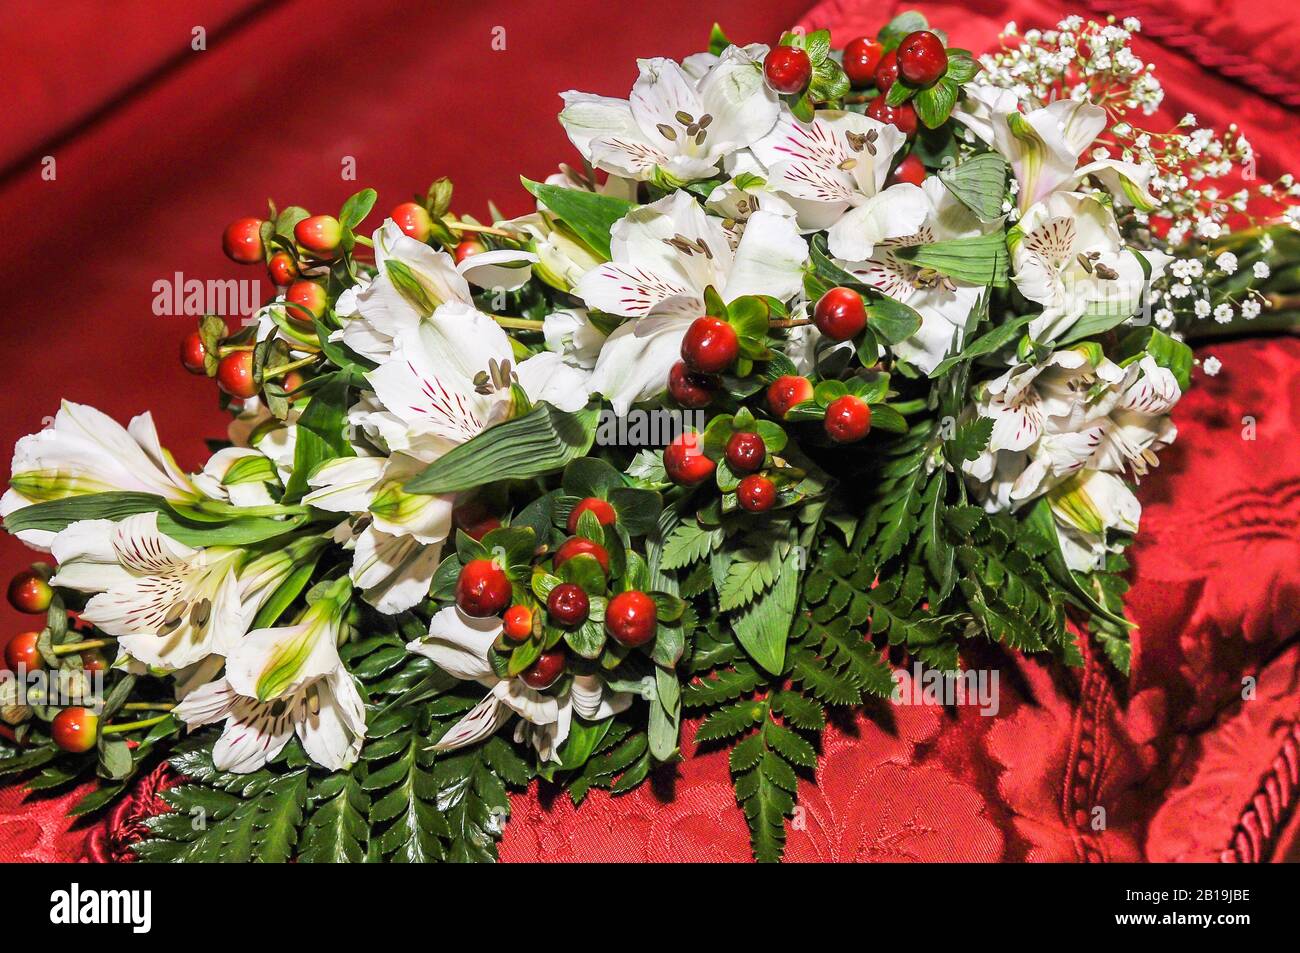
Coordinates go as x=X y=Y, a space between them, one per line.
x=690 y=389
x=29 y=592
x=788 y=70
x=861 y=57
x=483 y=588
x=468 y=247
x=848 y=419
x=74 y=729
x=192 y=352
x=413 y=219
x=784 y=392
x=476 y=518
x=756 y=494
x=840 y=314
x=886 y=72
x=922 y=59
x=305 y=300
x=685 y=462
x=518 y=623
x=319 y=234
x=92 y=660
x=577 y=546
x=568 y=604
x=909 y=170
x=22 y=651
x=282 y=268
x=595 y=505
x=904 y=116
x=745 y=452
x=710 y=346
x=543 y=673
x=631 y=618
x=242 y=240
x=235 y=375
x=291 y=381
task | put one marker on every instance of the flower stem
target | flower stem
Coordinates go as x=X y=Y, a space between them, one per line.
x=519 y=324
x=362 y=240
x=148 y=706
x=273 y=372
x=133 y=725
x=789 y=323
x=69 y=647
x=485 y=229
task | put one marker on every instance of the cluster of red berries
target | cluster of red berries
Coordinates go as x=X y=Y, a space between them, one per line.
x=710 y=348
x=920 y=61
x=847 y=420
x=484 y=589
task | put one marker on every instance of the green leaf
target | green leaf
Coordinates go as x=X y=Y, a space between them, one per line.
x=892 y=33
x=357 y=207
x=689 y=543
x=962 y=67
x=989 y=343
x=934 y=103
x=764 y=626
x=979 y=183
x=980 y=260
x=322 y=433
x=589 y=214
x=336 y=831
x=1041 y=523
x=542 y=441
x=718 y=40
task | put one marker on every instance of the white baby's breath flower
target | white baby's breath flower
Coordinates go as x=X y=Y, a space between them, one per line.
x=1250 y=309
x=1212 y=365
x=1261 y=270
x=1227 y=263
x=1223 y=313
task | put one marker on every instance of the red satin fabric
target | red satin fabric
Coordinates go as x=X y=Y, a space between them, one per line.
x=1182 y=767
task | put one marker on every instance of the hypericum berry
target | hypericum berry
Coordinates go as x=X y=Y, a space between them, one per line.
x=192 y=353
x=922 y=59
x=848 y=419
x=467 y=248
x=74 y=729
x=745 y=452
x=30 y=592
x=886 y=72
x=291 y=381
x=414 y=219
x=904 y=116
x=93 y=660
x=788 y=70
x=305 y=300
x=784 y=392
x=599 y=508
x=710 y=346
x=518 y=623
x=483 y=588
x=578 y=546
x=757 y=494
x=319 y=234
x=476 y=518
x=631 y=618
x=235 y=375
x=861 y=57
x=685 y=462
x=242 y=241
x=568 y=604
x=693 y=391
x=840 y=314
x=910 y=170
x=283 y=268
x=543 y=673
x=22 y=651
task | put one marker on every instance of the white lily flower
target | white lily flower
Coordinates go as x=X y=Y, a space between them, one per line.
x=459 y=645
x=943 y=303
x=749 y=190
x=1086 y=508
x=212 y=481
x=674 y=127
x=571 y=333
x=169 y=605
x=86 y=451
x=1067 y=254
x=1042 y=146
x=832 y=171
x=281 y=681
x=664 y=256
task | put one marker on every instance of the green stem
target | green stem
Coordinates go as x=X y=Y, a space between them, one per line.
x=133 y=725
x=910 y=406
x=271 y=373
x=519 y=324
x=217 y=508
x=70 y=647
x=148 y=706
x=789 y=323
x=362 y=240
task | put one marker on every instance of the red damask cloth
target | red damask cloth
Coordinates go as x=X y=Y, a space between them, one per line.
x=1196 y=756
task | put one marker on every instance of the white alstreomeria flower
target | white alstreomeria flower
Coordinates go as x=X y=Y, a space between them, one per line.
x=86 y=451
x=281 y=681
x=664 y=256
x=1086 y=508
x=459 y=645
x=674 y=128
x=170 y=605
x=448 y=379
x=1067 y=254
x=833 y=172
